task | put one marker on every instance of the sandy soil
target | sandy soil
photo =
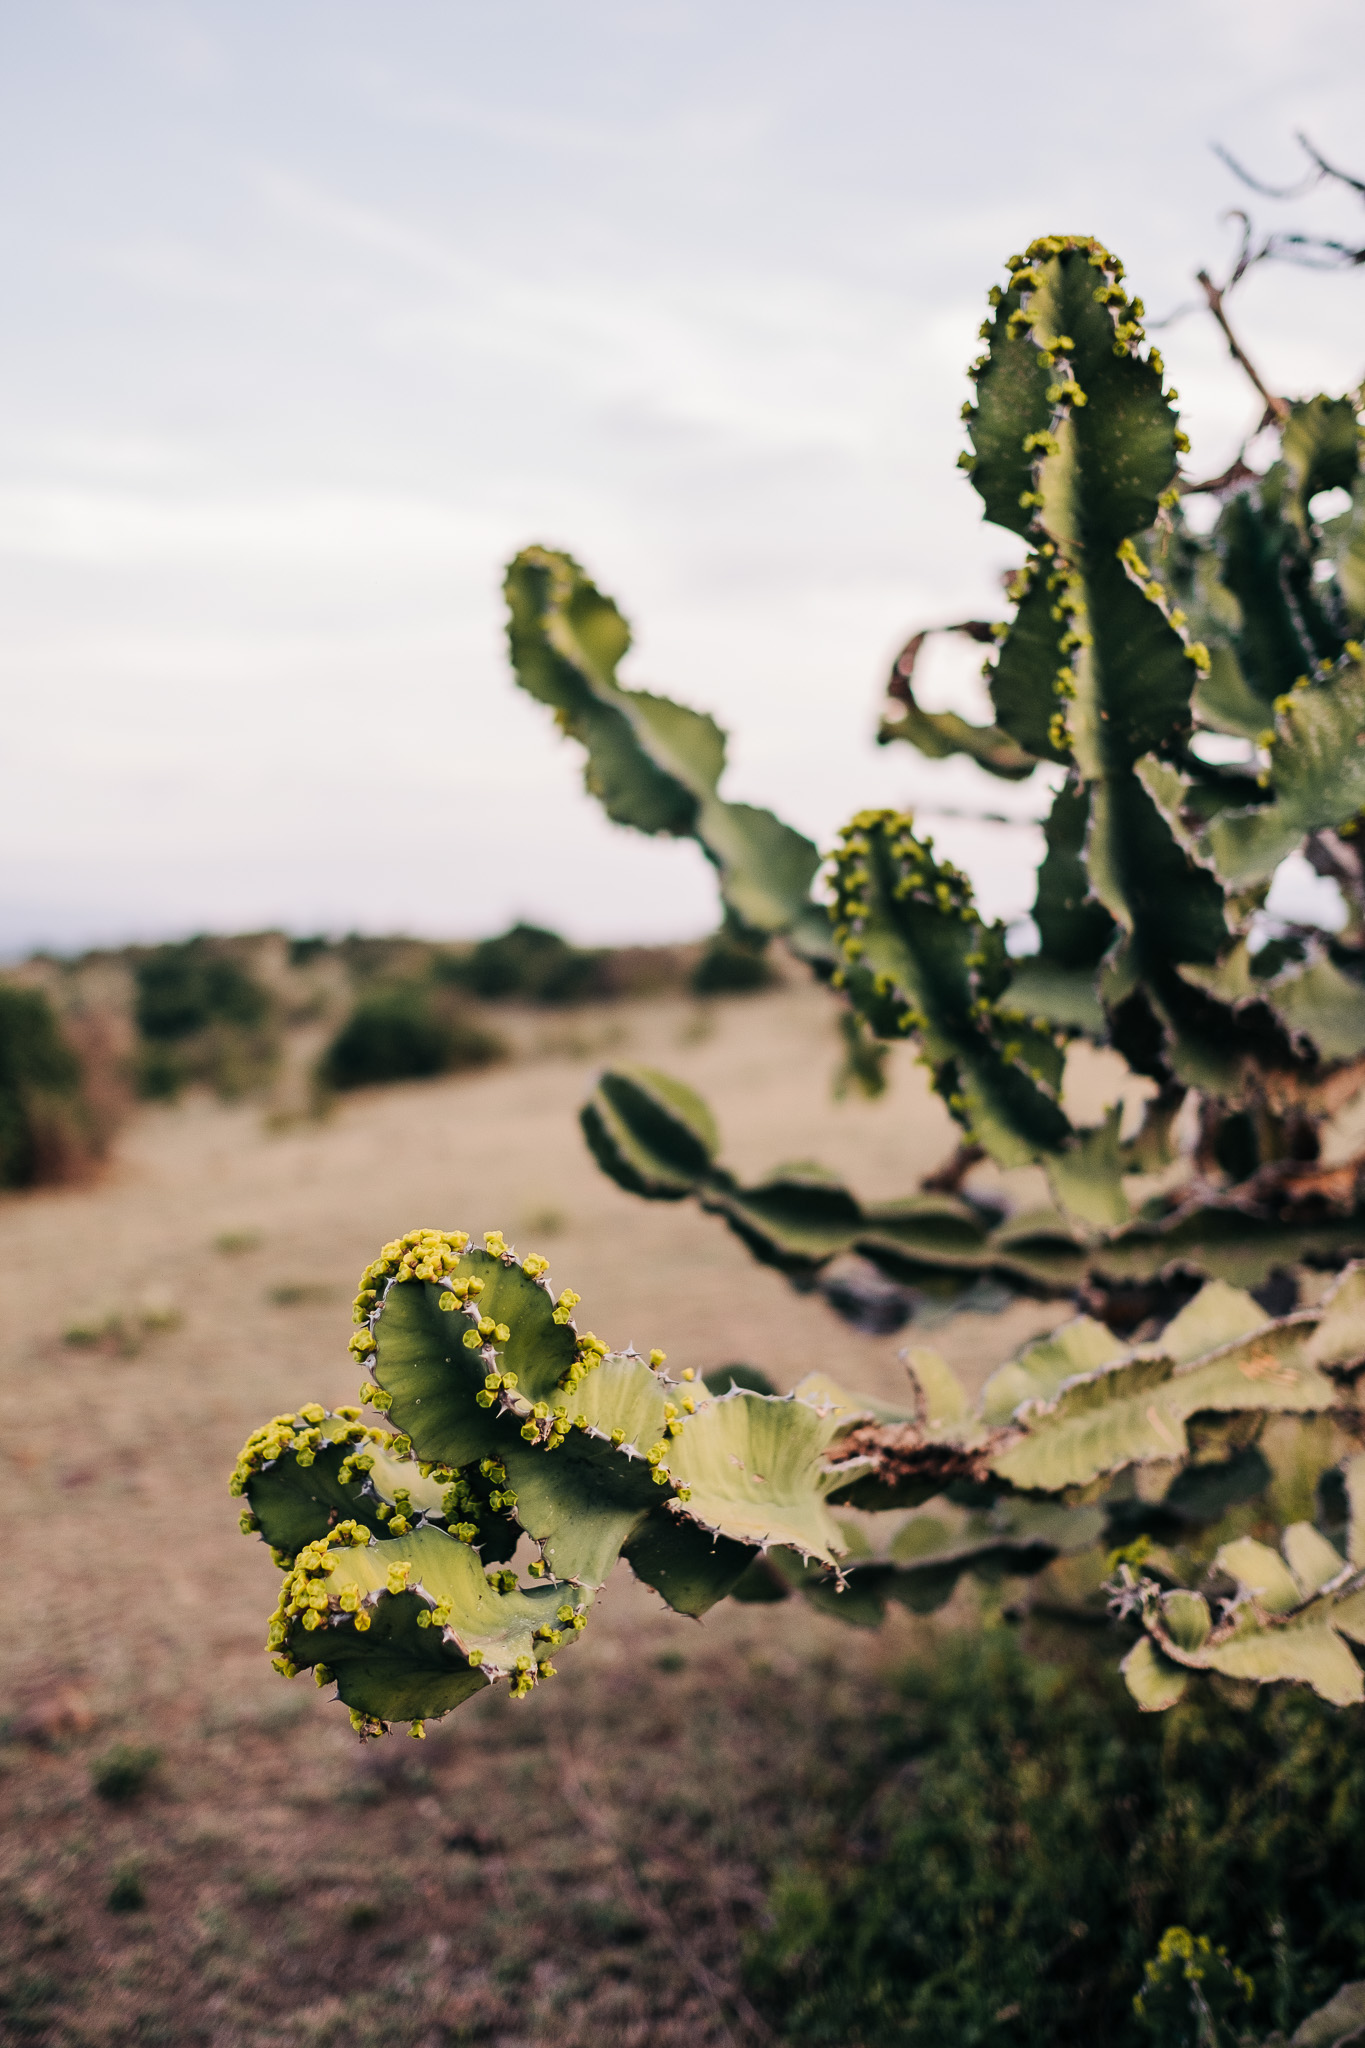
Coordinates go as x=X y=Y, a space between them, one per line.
x=578 y=1869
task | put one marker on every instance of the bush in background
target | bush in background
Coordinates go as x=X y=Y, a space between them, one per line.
x=47 y=1131
x=1033 y=1837
x=527 y=965
x=201 y=1016
x=405 y=1033
x=734 y=963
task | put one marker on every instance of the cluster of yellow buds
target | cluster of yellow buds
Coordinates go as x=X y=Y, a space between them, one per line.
x=417 y=1255
x=435 y=1616
x=304 y=1595
x=565 y=1305
x=485 y=1331
x=590 y=1352
x=263 y=1447
x=494 y=1384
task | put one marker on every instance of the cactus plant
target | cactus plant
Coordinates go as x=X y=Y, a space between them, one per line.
x=1133 y=640
x=506 y=1431
x=1194 y=702
x=1178 y=1438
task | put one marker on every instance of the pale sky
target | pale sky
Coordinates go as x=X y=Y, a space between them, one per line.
x=317 y=310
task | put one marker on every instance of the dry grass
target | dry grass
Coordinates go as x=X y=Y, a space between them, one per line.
x=578 y=1869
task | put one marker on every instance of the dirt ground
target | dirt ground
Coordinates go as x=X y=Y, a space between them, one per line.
x=582 y=1868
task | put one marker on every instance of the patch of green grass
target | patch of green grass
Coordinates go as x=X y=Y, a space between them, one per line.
x=122 y=1772
x=232 y=1243
x=127 y=1893
x=300 y=1294
x=1031 y=1837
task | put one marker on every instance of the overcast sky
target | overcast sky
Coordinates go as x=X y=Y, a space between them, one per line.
x=317 y=310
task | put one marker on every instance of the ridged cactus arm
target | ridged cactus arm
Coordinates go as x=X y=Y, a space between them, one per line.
x=1012 y=407
x=1098 y=655
x=688 y=1565
x=939 y=734
x=303 y=1472
x=459 y=1341
x=1317 y=773
x=1081 y=1405
x=1078 y=454
x=652 y=764
x=410 y=1627
x=384 y=1539
x=583 y=1491
x=1344 y=537
x=749 y=1467
x=907 y=919
x=651 y=1133
x=1285 y=623
x=1293 y=1615
x=1074 y=929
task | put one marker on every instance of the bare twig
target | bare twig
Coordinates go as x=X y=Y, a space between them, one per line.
x=1314 y=252
x=1305 y=184
x=1237 y=472
x=1279 y=407
x=948 y=1178
x=714 y=1989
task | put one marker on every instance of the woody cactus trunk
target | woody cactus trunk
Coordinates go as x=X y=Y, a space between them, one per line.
x=1194 y=703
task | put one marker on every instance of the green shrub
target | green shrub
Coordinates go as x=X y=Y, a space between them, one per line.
x=42 y=1113
x=734 y=964
x=526 y=964
x=1034 y=1835
x=127 y=1893
x=404 y=1033
x=201 y=1017
x=120 y=1774
x=185 y=988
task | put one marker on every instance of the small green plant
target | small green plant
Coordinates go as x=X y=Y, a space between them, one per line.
x=1192 y=1996
x=233 y=1243
x=123 y=1771
x=127 y=1893
x=122 y=1333
x=405 y=1033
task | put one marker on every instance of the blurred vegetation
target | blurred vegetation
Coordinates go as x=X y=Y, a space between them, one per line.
x=1028 y=1837
x=45 y=1120
x=734 y=963
x=526 y=965
x=201 y=1016
x=263 y=1015
x=402 y=1033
